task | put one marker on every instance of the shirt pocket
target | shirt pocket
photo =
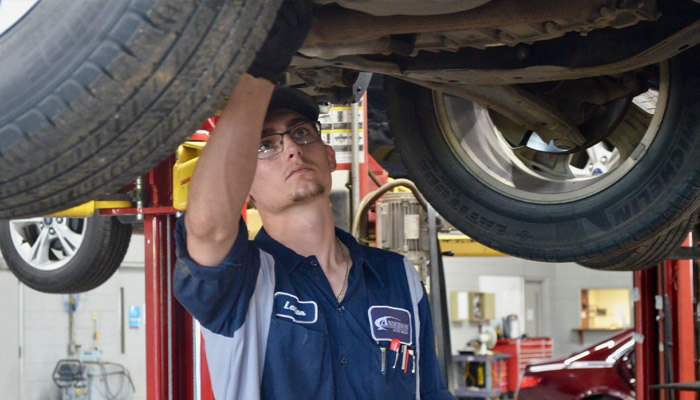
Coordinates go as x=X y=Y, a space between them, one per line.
x=298 y=358
x=400 y=385
x=300 y=333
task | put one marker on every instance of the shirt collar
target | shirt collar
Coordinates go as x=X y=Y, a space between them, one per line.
x=291 y=259
x=358 y=253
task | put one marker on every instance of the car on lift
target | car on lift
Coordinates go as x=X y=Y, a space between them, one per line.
x=605 y=371
x=551 y=130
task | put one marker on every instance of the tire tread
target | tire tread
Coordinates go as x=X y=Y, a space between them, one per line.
x=175 y=107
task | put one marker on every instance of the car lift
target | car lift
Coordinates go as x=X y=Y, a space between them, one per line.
x=175 y=365
x=666 y=350
x=173 y=356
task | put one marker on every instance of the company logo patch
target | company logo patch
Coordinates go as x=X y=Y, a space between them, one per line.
x=289 y=306
x=388 y=323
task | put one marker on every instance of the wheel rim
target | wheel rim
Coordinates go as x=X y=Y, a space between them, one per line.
x=13 y=11
x=47 y=244
x=535 y=177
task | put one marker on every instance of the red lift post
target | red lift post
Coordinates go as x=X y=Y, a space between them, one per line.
x=664 y=301
x=171 y=353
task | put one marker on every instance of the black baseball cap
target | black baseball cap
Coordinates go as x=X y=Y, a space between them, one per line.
x=294 y=99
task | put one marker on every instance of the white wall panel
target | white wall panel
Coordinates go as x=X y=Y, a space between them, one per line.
x=9 y=335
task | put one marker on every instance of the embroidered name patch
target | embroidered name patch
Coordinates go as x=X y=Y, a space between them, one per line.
x=388 y=323
x=289 y=306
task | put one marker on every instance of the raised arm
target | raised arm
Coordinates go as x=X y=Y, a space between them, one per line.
x=226 y=167
x=225 y=171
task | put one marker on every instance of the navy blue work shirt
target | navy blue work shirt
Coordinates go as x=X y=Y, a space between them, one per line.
x=273 y=328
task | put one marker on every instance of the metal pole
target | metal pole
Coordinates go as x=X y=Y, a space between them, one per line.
x=169 y=357
x=438 y=301
x=20 y=338
x=355 y=127
x=668 y=334
x=122 y=323
x=169 y=256
x=695 y=271
x=155 y=370
x=680 y=289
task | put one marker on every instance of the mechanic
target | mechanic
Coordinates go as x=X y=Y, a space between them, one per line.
x=303 y=311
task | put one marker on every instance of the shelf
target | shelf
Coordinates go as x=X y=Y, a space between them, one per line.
x=580 y=331
x=484 y=394
x=494 y=375
x=479 y=357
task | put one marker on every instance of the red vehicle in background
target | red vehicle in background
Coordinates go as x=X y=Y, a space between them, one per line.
x=604 y=371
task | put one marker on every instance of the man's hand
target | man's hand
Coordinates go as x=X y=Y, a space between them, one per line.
x=286 y=37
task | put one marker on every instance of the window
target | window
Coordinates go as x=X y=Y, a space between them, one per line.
x=605 y=309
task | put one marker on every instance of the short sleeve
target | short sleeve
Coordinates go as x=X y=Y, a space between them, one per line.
x=218 y=297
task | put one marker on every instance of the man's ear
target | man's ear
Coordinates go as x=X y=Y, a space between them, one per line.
x=331 y=158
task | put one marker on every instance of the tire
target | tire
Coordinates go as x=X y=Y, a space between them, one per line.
x=604 y=216
x=97 y=93
x=648 y=254
x=99 y=243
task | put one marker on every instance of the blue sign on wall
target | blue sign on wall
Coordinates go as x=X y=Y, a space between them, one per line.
x=134 y=317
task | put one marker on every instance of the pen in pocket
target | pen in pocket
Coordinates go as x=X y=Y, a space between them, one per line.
x=382 y=349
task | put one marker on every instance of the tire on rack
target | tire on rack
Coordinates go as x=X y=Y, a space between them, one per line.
x=458 y=165
x=64 y=255
x=647 y=254
x=97 y=93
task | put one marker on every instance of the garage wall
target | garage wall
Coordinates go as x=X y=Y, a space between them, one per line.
x=570 y=279
x=9 y=333
x=561 y=284
x=45 y=332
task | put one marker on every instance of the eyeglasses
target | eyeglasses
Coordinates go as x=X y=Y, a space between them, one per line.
x=303 y=133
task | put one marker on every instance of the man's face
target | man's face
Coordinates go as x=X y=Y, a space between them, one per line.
x=298 y=174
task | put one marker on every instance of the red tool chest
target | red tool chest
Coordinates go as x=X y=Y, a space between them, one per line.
x=523 y=352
